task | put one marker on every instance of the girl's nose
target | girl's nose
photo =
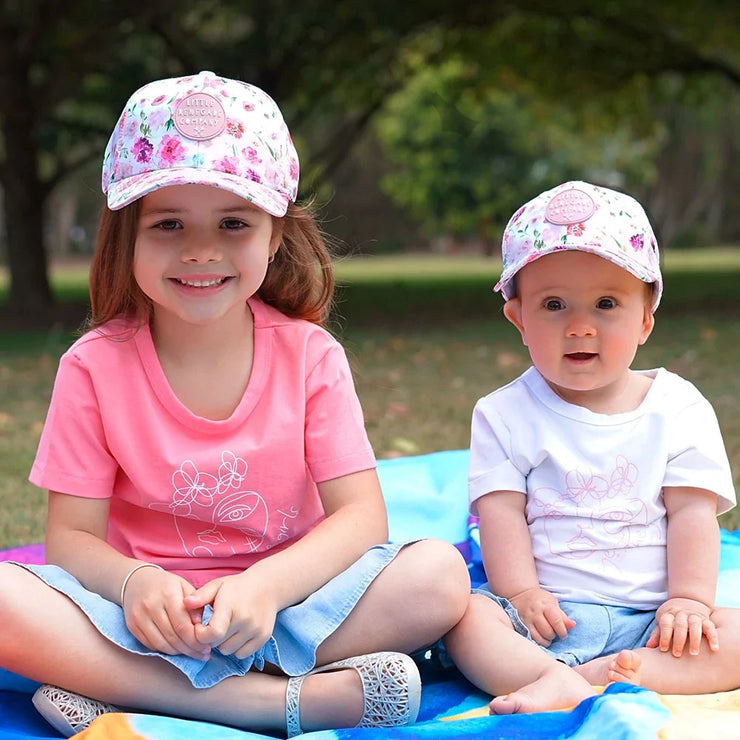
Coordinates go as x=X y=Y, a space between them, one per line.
x=200 y=251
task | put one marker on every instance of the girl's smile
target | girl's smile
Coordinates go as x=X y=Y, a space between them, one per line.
x=202 y=282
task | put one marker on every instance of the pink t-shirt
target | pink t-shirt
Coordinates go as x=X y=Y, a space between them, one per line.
x=203 y=498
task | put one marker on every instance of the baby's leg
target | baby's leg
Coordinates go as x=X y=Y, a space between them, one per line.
x=54 y=642
x=705 y=673
x=498 y=660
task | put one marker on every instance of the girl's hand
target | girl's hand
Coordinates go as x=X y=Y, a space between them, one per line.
x=244 y=613
x=157 y=616
x=541 y=612
x=679 y=620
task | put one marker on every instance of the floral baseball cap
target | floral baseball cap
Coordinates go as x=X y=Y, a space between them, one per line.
x=588 y=218
x=202 y=130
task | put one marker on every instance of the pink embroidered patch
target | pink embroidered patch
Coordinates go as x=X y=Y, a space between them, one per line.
x=199 y=116
x=572 y=206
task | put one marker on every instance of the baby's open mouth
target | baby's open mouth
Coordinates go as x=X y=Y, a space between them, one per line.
x=580 y=355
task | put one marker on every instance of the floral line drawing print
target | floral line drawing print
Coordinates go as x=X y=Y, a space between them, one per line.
x=238 y=518
x=602 y=512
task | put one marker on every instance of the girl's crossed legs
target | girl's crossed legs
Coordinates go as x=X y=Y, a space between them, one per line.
x=417 y=598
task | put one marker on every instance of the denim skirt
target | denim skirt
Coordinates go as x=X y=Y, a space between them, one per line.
x=299 y=629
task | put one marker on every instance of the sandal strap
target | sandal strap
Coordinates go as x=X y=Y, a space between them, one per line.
x=391 y=689
x=292 y=706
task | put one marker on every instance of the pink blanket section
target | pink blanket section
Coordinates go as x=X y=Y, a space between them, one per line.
x=25 y=554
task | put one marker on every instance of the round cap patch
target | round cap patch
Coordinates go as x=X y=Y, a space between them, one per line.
x=570 y=207
x=199 y=116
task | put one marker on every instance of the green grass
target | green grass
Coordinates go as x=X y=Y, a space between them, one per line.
x=426 y=338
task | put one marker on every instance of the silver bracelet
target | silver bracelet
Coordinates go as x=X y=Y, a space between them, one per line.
x=132 y=571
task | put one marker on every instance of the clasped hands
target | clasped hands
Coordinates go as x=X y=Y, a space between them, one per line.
x=680 y=622
x=165 y=613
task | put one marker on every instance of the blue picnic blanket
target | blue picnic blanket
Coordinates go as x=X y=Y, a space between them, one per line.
x=426 y=496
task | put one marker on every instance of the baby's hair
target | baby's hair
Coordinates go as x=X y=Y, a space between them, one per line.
x=299 y=282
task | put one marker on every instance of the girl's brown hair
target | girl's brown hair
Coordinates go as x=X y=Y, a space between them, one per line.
x=299 y=281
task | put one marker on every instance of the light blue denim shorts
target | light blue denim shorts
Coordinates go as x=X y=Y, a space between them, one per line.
x=600 y=630
x=299 y=629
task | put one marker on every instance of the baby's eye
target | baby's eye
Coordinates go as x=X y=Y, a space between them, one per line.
x=553 y=304
x=233 y=223
x=606 y=303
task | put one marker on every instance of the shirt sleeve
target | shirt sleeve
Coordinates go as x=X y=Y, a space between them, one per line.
x=336 y=439
x=491 y=466
x=697 y=457
x=72 y=455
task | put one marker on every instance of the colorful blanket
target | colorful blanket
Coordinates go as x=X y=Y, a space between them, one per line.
x=426 y=497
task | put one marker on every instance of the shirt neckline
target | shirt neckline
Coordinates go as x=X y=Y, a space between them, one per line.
x=534 y=380
x=252 y=393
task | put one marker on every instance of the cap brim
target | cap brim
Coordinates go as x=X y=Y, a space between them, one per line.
x=127 y=190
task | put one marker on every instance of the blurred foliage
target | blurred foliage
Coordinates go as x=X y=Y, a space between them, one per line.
x=472 y=137
x=467 y=152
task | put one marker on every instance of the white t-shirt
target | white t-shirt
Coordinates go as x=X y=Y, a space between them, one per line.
x=594 y=482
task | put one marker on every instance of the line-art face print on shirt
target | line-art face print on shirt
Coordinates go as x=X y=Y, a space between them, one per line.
x=238 y=519
x=595 y=515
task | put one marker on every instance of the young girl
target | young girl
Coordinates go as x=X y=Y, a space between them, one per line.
x=597 y=486
x=215 y=522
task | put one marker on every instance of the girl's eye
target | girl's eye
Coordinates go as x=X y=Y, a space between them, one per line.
x=169 y=224
x=553 y=304
x=606 y=303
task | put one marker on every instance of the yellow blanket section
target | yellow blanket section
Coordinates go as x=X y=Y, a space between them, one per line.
x=702 y=716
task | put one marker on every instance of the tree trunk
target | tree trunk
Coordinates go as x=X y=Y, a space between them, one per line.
x=24 y=193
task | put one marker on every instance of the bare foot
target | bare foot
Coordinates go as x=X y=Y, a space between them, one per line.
x=559 y=687
x=626 y=666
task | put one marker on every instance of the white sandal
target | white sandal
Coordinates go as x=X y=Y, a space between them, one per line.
x=391 y=688
x=67 y=712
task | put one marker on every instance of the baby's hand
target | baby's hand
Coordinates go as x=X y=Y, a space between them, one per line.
x=243 y=614
x=156 y=614
x=541 y=612
x=679 y=620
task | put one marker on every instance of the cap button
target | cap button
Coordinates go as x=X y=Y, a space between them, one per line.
x=571 y=206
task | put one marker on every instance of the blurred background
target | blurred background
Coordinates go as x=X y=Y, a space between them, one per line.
x=421 y=126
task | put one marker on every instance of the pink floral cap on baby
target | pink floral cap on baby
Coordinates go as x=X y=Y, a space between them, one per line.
x=578 y=215
x=202 y=130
